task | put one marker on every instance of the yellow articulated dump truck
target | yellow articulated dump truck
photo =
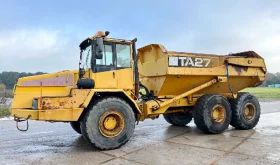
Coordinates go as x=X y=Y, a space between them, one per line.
x=117 y=86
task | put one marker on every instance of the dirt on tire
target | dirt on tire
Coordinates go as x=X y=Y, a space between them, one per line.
x=202 y=113
x=90 y=123
x=237 y=105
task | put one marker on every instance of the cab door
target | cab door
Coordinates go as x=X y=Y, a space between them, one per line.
x=124 y=70
x=105 y=75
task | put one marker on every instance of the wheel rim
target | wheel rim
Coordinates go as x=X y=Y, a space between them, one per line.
x=111 y=123
x=249 y=111
x=218 y=114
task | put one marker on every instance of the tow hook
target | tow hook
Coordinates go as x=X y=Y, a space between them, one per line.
x=18 y=119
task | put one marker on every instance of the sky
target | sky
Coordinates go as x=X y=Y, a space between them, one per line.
x=45 y=35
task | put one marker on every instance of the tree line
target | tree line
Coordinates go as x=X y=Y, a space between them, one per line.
x=9 y=79
x=271 y=78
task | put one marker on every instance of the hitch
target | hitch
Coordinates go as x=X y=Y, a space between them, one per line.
x=18 y=119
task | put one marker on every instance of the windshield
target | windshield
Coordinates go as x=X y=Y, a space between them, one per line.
x=86 y=58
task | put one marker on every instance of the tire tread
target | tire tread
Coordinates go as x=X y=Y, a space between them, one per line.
x=235 y=106
x=200 y=107
x=171 y=118
x=94 y=106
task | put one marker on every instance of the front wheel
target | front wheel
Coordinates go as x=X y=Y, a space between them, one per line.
x=108 y=124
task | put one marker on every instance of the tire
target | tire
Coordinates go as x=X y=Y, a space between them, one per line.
x=92 y=130
x=204 y=110
x=76 y=126
x=239 y=118
x=178 y=119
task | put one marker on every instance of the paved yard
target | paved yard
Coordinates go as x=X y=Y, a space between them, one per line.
x=154 y=142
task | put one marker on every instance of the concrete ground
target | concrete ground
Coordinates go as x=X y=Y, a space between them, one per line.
x=154 y=142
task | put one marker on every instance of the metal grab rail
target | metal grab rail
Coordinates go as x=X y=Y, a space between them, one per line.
x=18 y=119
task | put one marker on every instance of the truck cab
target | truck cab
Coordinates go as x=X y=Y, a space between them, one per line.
x=107 y=61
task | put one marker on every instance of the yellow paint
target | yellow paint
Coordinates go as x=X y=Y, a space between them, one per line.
x=160 y=108
x=207 y=84
x=63 y=108
x=74 y=100
x=23 y=113
x=24 y=95
x=126 y=92
x=125 y=79
x=106 y=80
x=218 y=114
x=60 y=114
x=111 y=123
x=49 y=115
x=249 y=111
x=254 y=62
x=152 y=61
x=222 y=79
x=88 y=98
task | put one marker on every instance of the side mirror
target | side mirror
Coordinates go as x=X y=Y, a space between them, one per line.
x=99 y=48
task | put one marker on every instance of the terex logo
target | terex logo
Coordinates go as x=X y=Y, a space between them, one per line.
x=189 y=62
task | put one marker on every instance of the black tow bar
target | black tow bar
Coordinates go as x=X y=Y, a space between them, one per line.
x=18 y=119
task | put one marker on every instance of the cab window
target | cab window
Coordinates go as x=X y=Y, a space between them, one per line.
x=107 y=62
x=123 y=55
x=107 y=56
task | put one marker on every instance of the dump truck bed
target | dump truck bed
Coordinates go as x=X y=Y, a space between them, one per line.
x=170 y=73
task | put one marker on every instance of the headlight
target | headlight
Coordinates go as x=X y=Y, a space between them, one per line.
x=35 y=104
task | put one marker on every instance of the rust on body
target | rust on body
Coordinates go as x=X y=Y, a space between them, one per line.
x=239 y=69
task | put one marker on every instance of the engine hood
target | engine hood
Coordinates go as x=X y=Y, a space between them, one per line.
x=62 y=78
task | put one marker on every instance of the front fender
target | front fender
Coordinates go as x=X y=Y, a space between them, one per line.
x=113 y=93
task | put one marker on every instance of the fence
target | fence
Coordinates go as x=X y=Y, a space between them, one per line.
x=6 y=101
x=274 y=86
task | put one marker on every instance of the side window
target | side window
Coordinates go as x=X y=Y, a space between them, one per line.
x=107 y=56
x=123 y=55
x=86 y=57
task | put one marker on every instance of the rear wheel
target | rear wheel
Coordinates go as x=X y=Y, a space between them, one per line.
x=212 y=113
x=108 y=124
x=245 y=111
x=76 y=126
x=179 y=118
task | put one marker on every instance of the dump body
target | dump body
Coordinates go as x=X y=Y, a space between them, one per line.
x=172 y=73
